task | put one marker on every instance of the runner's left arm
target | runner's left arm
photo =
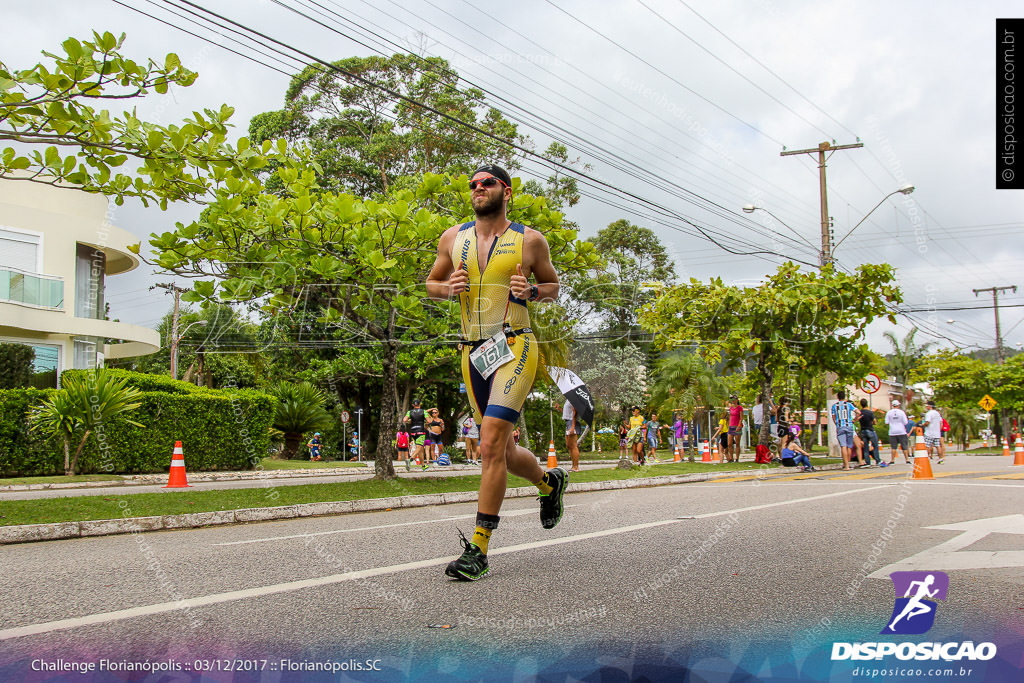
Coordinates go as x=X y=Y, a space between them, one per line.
x=536 y=260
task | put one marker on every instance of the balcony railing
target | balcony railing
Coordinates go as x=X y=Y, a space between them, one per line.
x=45 y=291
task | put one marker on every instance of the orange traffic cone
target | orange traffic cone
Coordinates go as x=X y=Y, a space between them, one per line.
x=676 y=457
x=1018 y=453
x=1006 y=447
x=552 y=457
x=177 y=478
x=705 y=452
x=922 y=465
x=984 y=442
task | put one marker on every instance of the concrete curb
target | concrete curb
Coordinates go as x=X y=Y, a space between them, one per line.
x=27 y=533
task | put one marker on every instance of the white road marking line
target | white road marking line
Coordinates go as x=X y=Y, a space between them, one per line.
x=513 y=513
x=230 y=596
x=789 y=502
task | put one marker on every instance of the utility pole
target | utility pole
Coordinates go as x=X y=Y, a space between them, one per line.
x=825 y=257
x=826 y=223
x=1000 y=357
x=176 y=290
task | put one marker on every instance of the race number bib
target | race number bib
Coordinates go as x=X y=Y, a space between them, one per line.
x=491 y=355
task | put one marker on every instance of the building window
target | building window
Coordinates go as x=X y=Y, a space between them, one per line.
x=86 y=349
x=90 y=265
x=19 y=250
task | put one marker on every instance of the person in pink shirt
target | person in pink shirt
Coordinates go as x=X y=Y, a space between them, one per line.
x=735 y=429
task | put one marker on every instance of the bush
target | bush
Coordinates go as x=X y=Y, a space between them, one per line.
x=23 y=450
x=144 y=381
x=16 y=365
x=219 y=430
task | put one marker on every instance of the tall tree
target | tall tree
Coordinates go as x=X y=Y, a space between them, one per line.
x=634 y=264
x=804 y=318
x=366 y=139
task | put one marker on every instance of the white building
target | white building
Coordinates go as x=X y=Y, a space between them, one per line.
x=56 y=251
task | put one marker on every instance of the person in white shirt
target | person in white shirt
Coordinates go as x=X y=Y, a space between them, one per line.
x=897 y=421
x=472 y=439
x=932 y=424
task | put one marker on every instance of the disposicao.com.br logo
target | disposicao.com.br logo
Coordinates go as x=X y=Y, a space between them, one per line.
x=914 y=613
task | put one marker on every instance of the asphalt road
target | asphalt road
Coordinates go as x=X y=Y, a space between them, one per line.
x=752 y=574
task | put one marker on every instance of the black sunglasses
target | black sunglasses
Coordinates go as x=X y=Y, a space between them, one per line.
x=488 y=182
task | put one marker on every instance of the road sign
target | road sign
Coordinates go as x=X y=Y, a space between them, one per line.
x=871 y=383
x=462 y=387
x=987 y=403
x=344 y=417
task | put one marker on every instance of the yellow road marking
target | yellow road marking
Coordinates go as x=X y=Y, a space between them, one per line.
x=954 y=474
x=891 y=471
x=1015 y=475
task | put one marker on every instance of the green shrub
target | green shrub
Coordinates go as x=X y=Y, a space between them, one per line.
x=144 y=381
x=219 y=430
x=21 y=449
x=16 y=365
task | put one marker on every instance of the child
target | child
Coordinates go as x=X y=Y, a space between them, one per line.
x=402 y=443
x=354 y=447
x=314 y=447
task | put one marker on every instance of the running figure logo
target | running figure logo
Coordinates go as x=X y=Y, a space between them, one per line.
x=914 y=613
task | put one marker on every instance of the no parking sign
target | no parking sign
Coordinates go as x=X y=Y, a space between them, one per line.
x=871 y=383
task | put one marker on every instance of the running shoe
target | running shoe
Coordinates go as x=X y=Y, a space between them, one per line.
x=941 y=460
x=471 y=565
x=883 y=464
x=551 y=503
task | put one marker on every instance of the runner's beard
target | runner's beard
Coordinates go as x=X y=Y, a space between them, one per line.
x=489 y=208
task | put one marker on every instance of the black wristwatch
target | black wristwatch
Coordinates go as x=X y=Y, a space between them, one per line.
x=534 y=292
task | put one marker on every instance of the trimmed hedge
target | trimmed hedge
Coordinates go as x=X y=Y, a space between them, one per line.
x=23 y=450
x=146 y=382
x=219 y=430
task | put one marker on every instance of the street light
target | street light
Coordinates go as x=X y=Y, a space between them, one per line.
x=174 y=347
x=750 y=208
x=906 y=189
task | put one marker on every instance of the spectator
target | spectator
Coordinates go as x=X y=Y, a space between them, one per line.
x=842 y=417
x=722 y=436
x=623 y=438
x=757 y=413
x=472 y=439
x=353 y=446
x=794 y=456
x=897 y=421
x=653 y=438
x=402 y=439
x=636 y=436
x=782 y=421
x=735 y=429
x=314 y=447
x=869 y=437
x=932 y=424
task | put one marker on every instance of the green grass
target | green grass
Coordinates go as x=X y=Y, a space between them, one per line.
x=274 y=464
x=183 y=502
x=58 y=479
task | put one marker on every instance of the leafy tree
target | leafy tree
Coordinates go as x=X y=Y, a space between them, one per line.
x=84 y=404
x=615 y=375
x=366 y=140
x=686 y=384
x=812 y=320
x=905 y=357
x=50 y=107
x=958 y=380
x=300 y=409
x=16 y=365
x=615 y=290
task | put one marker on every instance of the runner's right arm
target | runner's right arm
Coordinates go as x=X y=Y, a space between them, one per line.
x=444 y=280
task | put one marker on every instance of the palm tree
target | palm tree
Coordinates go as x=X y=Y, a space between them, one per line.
x=962 y=425
x=300 y=409
x=684 y=383
x=84 y=404
x=905 y=357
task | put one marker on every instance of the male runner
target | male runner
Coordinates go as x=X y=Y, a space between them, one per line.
x=417 y=421
x=486 y=264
